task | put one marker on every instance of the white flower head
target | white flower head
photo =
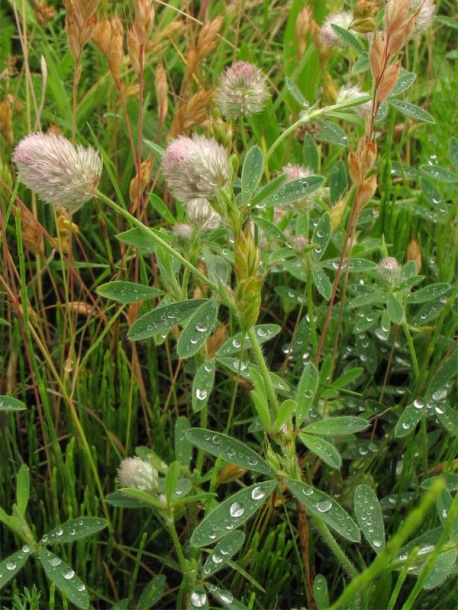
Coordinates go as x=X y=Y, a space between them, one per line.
x=390 y=271
x=195 y=167
x=423 y=11
x=349 y=93
x=242 y=91
x=139 y=474
x=202 y=216
x=328 y=35
x=59 y=172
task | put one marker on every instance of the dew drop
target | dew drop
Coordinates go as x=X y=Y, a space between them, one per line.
x=81 y=587
x=55 y=561
x=226 y=597
x=324 y=506
x=217 y=559
x=236 y=510
x=11 y=565
x=377 y=543
x=198 y=600
x=201 y=394
x=69 y=575
x=258 y=493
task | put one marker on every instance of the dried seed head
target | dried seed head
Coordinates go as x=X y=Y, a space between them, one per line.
x=144 y=20
x=388 y=81
x=146 y=168
x=193 y=113
x=328 y=36
x=160 y=83
x=195 y=167
x=414 y=253
x=139 y=474
x=367 y=191
x=207 y=41
x=6 y=121
x=59 y=172
x=80 y=21
x=242 y=91
x=202 y=216
x=390 y=271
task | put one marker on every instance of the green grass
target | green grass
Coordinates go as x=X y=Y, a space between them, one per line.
x=93 y=397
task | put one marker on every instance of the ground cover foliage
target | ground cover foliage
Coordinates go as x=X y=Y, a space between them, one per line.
x=248 y=401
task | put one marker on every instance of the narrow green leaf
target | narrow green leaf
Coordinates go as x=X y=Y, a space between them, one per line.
x=138 y=238
x=171 y=480
x=337 y=426
x=295 y=92
x=320 y=592
x=267 y=191
x=347 y=377
x=306 y=390
x=122 y=500
x=223 y=552
x=409 y=419
x=162 y=319
x=324 y=450
x=74 y=529
x=251 y=173
x=183 y=448
x=202 y=384
x=8 y=403
x=448 y=418
x=128 y=292
x=285 y=413
x=310 y=153
x=369 y=516
x=331 y=133
x=361 y=64
x=10 y=566
x=232 y=513
x=453 y=151
x=350 y=39
x=270 y=230
x=321 y=235
x=412 y=111
x=428 y=293
x=322 y=282
x=325 y=508
x=294 y=190
x=22 y=489
x=230 y=449
x=64 y=577
x=439 y=173
x=152 y=592
x=198 y=329
x=450 y=479
x=155 y=148
x=405 y=81
x=264 y=332
x=394 y=309
x=161 y=208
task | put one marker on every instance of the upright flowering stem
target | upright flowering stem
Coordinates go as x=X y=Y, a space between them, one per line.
x=264 y=372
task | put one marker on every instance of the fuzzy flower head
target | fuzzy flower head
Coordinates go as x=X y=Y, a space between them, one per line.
x=350 y=93
x=59 y=172
x=423 y=11
x=390 y=271
x=242 y=91
x=328 y=36
x=139 y=474
x=202 y=216
x=195 y=167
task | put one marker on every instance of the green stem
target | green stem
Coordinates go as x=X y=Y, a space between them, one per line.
x=137 y=223
x=413 y=354
x=335 y=548
x=264 y=372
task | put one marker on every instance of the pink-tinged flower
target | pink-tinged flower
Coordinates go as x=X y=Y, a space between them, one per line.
x=201 y=215
x=328 y=35
x=139 y=474
x=423 y=11
x=59 y=172
x=242 y=91
x=195 y=167
x=390 y=271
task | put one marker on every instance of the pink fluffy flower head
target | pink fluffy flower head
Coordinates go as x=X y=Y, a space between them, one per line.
x=390 y=271
x=59 y=172
x=328 y=35
x=242 y=91
x=424 y=14
x=195 y=167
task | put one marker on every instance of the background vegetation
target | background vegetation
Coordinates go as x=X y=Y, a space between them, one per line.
x=92 y=396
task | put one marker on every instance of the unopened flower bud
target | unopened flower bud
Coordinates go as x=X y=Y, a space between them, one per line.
x=139 y=474
x=390 y=271
x=242 y=91
x=195 y=167
x=59 y=172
